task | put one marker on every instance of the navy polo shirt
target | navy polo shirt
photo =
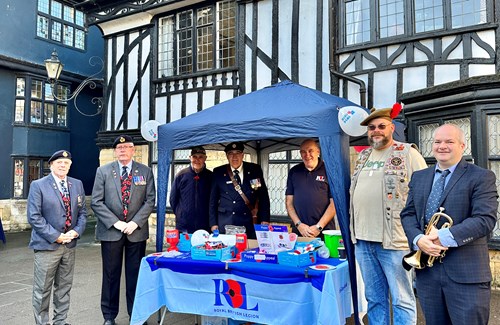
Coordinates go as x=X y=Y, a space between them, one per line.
x=311 y=193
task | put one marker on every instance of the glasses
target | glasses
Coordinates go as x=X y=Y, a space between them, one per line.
x=372 y=127
x=124 y=147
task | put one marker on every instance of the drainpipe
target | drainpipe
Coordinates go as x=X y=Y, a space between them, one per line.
x=361 y=83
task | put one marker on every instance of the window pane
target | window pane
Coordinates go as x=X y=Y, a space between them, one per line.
x=20 y=85
x=34 y=170
x=428 y=15
x=48 y=92
x=79 y=18
x=49 y=114
x=36 y=112
x=43 y=6
x=425 y=138
x=494 y=135
x=468 y=13
x=56 y=31
x=42 y=27
x=19 y=115
x=36 y=89
x=80 y=39
x=68 y=35
x=62 y=92
x=166 y=47
x=18 y=177
x=184 y=42
x=226 y=33
x=56 y=9
x=357 y=17
x=61 y=115
x=205 y=48
x=69 y=14
x=391 y=18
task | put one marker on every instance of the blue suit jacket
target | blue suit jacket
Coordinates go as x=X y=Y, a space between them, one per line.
x=470 y=199
x=226 y=205
x=47 y=215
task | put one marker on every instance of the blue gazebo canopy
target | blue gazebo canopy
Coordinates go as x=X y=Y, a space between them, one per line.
x=274 y=118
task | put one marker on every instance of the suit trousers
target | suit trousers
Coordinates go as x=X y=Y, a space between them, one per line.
x=112 y=260
x=445 y=301
x=52 y=268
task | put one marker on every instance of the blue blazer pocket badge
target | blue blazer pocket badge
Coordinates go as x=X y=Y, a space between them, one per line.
x=139 y=180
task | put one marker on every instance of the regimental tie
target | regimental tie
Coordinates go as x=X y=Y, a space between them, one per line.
x=67 y=205
x=435 y=196
x=126 y=180
x=237 y=176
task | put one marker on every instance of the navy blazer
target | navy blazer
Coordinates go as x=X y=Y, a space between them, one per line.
x=226 y=205
x=47 y=215
x=470 y=198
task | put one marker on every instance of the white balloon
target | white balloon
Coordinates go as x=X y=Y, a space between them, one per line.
x=349 y=119
x=149 y=130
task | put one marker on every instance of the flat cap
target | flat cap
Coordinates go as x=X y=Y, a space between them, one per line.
x=123 y=139
x=234 y=146
x=385 y=113
x=61 y=154
x=198 y=150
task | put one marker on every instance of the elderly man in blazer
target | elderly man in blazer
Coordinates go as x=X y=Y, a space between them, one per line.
x=228 y=206
x=456 y=289
x=57 y=215
x=123 y=197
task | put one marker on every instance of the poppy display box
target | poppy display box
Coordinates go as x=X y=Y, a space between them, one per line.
x=200 y=253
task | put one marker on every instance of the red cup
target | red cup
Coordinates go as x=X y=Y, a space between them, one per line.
x=241 y=243
x=173 y=239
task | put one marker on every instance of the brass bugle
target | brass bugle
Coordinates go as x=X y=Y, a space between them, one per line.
x=414 y=259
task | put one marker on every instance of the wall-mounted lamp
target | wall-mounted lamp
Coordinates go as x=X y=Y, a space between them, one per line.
x=54 y=68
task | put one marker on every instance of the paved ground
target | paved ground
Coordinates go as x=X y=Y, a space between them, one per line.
x=16 y=275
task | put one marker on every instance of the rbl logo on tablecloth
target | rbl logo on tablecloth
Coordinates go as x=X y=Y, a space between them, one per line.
x=234 y=293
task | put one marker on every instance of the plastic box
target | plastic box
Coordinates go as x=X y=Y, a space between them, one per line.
x=184 y=242
x=292 y=259
x=200 y=253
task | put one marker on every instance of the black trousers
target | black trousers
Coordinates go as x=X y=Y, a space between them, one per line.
x=112 y=260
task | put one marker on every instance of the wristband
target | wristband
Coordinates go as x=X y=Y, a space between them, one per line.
x=298 y=224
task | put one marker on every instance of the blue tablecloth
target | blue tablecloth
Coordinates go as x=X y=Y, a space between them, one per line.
x=247 y=291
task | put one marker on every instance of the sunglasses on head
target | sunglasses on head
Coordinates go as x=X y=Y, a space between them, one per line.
x=372 y=127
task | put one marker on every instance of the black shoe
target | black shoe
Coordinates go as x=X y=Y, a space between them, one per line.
x=109 y=322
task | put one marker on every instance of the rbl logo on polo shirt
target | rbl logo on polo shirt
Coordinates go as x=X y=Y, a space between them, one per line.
x=320 y=178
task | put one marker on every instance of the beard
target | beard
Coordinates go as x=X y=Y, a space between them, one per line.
x=378 y=144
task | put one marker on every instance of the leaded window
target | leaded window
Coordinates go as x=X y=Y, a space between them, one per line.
x=34 y=100
x=197 y=39
x=371 y=21
x=279 y=165
x=61 y=23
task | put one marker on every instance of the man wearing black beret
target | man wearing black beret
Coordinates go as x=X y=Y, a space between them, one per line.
x=57 y=215
x=123 y=197
x=239 y=193
x=190 y=194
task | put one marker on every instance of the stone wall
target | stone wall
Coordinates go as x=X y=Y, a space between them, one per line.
x=13 y=215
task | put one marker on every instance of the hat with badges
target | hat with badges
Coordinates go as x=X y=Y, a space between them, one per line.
x=199 y=150
x=234 y=146
x=385 y=113
x=61 y=154
x=123 y=139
